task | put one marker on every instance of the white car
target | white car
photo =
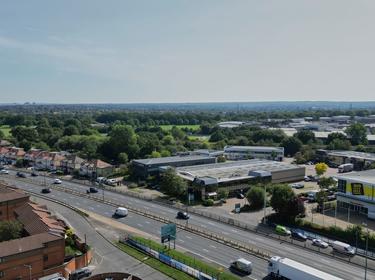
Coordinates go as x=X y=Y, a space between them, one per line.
x=4 y=171
x=121 y=212
x=319 y=243
x=57 y=181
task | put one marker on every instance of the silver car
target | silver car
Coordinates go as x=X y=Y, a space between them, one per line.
x=320 y=243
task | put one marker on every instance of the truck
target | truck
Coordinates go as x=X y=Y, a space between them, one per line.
x=242 y=265
x=343 y=248
x=347 y=167
x=284 y=268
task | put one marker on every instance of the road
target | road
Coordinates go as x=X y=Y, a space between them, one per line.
x=204 y=248
x=107 y=258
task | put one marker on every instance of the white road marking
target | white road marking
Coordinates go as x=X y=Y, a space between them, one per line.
x=180 y=240
x=212 y=246
x=188 y=237
x=233 y=230
x=204 y=249
x=139 y=225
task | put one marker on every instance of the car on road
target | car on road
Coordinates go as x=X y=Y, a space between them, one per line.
x=319 y=243
x=80 y=273
x=121 y=212
x=21 y=175
x=57 y=181
x=34 y=174
x=242 y=265
x=92 y=190
x=46 y=190
x=298 y=235
x=182 y=215
x=4 y=171
x=282 y=230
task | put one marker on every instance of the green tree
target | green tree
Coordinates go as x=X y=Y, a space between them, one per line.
x=321 y=168
x=255 y=196
x=327 y=182
x=357 y=134
x=2 y=136
x=155 y=154
x=10 y=230
x=305 y=136
x=71 y=130
x=222 y=193
x=285 y=202
x=291 y=145
x=172 y=184
x=339 y=144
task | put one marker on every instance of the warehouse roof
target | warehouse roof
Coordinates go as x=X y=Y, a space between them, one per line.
x=232 y=171
x=364 y=177
x=352 y=154
x=168 y=160
x=252 y=148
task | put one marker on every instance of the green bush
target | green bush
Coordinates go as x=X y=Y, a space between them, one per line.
x=208 y=202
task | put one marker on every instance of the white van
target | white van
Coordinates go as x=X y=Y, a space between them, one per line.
x=242 y=265
x=343 y=248
x=121 y=212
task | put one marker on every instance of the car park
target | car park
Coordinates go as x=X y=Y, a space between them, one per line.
x=46 y=190
x=298 y=235
x=319 y=243
x=282 y=230
x=57 y=181
x=182 y=215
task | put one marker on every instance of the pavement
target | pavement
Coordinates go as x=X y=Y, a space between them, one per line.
x=107 y=258
x=204 y=248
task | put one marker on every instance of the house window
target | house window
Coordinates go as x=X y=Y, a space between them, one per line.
x=341 y=186
x=1 y=274
x=45 y=258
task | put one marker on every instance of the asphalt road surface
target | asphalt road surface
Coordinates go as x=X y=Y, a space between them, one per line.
x=199 y=246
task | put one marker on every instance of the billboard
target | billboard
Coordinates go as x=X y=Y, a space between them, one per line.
x=357 y=189
x=168 y=232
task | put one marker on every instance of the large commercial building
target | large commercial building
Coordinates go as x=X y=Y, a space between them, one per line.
x=151 y=166
x=356 y=190
x=359 y=160
x=250 y=152
x=239 y=175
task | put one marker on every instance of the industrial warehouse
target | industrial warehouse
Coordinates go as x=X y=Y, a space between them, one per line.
x=238 y=175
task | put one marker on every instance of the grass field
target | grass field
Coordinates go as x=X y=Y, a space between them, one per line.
x=188 y=126
x=6 y=130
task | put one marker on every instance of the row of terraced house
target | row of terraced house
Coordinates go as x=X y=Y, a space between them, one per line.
x=56 y=161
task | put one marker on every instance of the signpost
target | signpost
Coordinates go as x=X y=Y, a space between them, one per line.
x=168 y=233
x=237 y=207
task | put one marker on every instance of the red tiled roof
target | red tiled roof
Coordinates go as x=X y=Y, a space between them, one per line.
x=21 y=245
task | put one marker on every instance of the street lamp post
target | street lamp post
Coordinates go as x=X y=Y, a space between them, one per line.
x=367 y=234
x=264 y=204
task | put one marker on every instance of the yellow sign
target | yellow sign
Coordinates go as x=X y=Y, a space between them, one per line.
x=357 y=189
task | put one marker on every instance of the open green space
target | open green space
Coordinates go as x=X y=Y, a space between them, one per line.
x=154 y=263
x=210 y=269
x=6 y=130
x=188 y=126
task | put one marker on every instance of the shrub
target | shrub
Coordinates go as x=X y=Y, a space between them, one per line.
x=208 y=202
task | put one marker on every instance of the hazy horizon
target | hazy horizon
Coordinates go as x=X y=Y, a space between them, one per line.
x=212 y=51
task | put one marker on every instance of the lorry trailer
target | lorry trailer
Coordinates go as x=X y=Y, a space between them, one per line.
x=284 y=268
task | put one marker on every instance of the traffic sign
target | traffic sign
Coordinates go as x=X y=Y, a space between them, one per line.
x=168 y=232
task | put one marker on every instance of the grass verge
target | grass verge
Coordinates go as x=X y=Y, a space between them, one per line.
x=210 y=269
x=154 y=263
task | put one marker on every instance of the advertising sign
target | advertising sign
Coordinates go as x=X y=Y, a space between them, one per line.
x=357 y=189
x=168 y=232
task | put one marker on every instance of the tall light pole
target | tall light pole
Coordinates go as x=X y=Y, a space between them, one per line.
x=264 y=204
x=367 y=231
x=29 y=266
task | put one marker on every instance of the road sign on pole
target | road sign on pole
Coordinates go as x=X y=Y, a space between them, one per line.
x=168 y=232
x=237 y=207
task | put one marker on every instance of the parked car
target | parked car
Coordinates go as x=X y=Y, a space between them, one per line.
x=57 y=181
x=240 y=195
x=111 y=182
x=319 y=243
x=92 y=190
x=4 y=171
x=101 y=179
x=298 y=235
x=307 y=179
x=79 y=273
x=21 y=175
x=121 y=212
x=182 y=215
x=34 y=174
x=297 y=186
x=282 y=230
x=46 y=190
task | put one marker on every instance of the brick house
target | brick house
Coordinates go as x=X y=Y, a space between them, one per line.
x=14 y=154
x=31 y=156
x=49 y=160
x=10 y=200
x=71 y=163
x=96 y=168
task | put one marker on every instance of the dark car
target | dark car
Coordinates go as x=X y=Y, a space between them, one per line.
x=46 y=190
x=21 y=175
x=92 y=190
x=240 y=195
x=298 y=235
x=34 y=174
x=182 y=215
x=79 y=273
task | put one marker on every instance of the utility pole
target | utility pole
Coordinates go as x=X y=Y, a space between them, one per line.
x=264 y=204
x=368 y=232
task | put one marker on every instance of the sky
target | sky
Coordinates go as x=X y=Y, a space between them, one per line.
x=89 y=51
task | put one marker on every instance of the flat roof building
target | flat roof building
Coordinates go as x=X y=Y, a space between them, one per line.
x=359 y=160
x=151 y=166
x=239 y=174
x=356 y=190
x=250 y=152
